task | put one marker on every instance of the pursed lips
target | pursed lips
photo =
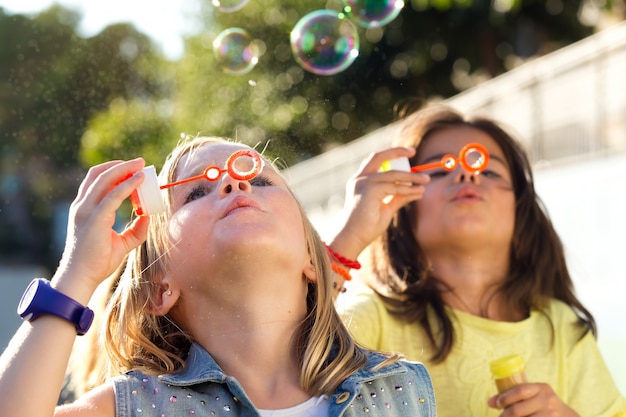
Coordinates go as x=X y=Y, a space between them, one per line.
x=239 y=202
x=467 y=193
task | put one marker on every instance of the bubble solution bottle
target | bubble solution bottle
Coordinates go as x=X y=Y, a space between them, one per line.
x=508 y=372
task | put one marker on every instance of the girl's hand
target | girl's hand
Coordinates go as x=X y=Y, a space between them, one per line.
x=372 y=198
x=535 y=400
x=93 y=249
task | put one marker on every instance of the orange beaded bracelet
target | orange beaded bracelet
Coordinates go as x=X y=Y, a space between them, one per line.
x=338 y=269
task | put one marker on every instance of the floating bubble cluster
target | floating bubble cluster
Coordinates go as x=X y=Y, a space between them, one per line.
x=325 y=42
x=235 y=51
x=372 y=13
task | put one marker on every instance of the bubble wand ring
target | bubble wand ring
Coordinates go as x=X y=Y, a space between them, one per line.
x=257 y=165
x=477 y=163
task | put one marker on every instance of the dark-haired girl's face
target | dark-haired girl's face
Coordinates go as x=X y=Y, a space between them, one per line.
x=459 y=207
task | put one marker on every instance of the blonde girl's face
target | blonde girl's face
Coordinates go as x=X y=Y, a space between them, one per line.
x=213 y=223
x=459 y=207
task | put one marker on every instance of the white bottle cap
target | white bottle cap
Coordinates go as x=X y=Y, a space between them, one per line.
x=148 y=198
x=398 y=164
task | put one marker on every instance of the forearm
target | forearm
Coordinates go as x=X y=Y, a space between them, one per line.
x=345 y=244
x=33 y=366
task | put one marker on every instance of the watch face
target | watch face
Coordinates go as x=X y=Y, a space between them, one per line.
x=27 y=297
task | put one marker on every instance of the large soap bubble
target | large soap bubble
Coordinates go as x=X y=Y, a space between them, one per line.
x=372 y=13
x=235 y=51
x=325 y=42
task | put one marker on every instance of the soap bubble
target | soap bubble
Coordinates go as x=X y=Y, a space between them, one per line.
x=372 y=13
x=229 y=6
x=325 y=42
x=235 y=51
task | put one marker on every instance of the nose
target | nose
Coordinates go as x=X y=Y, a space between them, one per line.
x=229 y=184
x=465 y=176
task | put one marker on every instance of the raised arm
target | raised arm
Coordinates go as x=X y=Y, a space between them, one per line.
x=372 y=198
x=33 y=365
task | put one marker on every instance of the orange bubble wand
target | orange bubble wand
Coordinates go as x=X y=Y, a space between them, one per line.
x=473 y=157
x=213 y=173
x=147 y=199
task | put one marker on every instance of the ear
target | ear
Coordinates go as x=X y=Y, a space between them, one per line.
x=309 y=269
x=163 y=298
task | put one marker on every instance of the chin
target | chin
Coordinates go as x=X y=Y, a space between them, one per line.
x=257 y=239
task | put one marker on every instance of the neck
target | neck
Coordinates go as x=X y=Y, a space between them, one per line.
x=471 y=280
x=259 y=355
x=247 y=323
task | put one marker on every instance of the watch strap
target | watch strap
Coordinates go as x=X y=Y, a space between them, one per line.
x=49 y=300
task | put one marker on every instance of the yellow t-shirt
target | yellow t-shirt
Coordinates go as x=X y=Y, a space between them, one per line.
x=573 y=368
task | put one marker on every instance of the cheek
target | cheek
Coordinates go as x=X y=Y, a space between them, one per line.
x=290 y=220
x=295 y=224
x=176 y=228
x=427 y=207
x=511 y=210
x=185 y=228
x=424 y=221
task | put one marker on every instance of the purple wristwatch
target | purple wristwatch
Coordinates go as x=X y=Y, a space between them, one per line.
x=40 y=298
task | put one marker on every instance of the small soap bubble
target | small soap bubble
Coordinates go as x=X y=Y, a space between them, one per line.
x=325 y=42
x=229 y=6
x=235 y=51
x=372 y=13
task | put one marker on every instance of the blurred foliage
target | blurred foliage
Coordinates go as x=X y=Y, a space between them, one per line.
x=68 y=102
x=433 y=49
x=52 y=82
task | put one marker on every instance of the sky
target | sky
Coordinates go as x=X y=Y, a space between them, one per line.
x=165 y=21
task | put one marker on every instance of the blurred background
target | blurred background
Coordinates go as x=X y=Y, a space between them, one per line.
x=82 y=82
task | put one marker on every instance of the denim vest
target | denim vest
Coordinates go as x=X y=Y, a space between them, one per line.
x=399 y=389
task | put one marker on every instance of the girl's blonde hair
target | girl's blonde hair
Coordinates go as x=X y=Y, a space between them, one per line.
x=136 y=339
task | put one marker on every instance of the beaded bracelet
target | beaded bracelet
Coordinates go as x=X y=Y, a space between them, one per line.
x=338 y=269
x=343 y=260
